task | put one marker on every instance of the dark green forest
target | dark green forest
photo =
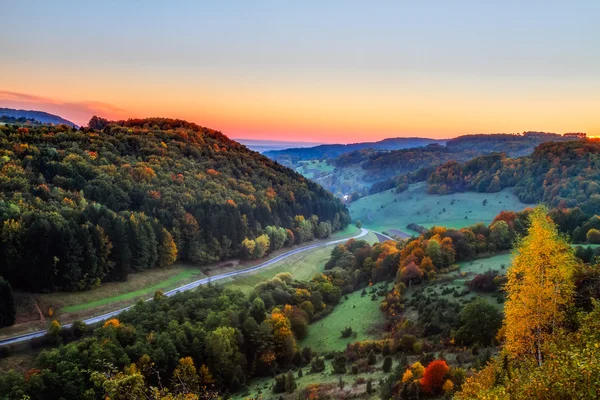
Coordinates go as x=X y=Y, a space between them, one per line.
x=82 y=206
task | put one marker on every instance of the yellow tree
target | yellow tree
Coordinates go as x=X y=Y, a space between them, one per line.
x=539 y=288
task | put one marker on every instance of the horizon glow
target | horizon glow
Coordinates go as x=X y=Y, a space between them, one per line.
x=336 y=73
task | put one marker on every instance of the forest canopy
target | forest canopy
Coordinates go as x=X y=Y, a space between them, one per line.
x=98 y=203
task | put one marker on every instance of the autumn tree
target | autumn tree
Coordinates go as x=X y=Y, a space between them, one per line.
x=434 y=376
x=540 y=287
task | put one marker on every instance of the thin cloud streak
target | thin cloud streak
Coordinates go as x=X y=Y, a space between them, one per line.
x=78 y=112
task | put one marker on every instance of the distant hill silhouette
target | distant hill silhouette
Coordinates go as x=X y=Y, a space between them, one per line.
x=290 y=157
x=33 y=115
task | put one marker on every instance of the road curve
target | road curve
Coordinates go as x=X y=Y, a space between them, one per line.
x=192 y=285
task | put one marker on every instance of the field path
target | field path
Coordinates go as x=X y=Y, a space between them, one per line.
x=189 y=286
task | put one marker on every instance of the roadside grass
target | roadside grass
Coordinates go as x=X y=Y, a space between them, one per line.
x=68 y=306
x=389 y=210
x=302 y=266
x=185 y=274
x=361 y=313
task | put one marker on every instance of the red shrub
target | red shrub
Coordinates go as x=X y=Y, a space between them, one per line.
x=433 y=377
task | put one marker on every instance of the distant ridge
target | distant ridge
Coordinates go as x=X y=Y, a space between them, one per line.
x=290 y=157
x=33 y=115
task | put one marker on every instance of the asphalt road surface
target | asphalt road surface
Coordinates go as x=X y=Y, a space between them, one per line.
x=189 y=286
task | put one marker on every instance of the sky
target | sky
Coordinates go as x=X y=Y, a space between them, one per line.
x=317 y=71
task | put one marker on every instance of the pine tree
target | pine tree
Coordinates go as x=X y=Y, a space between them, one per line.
x=540 y=287
x=8 y=311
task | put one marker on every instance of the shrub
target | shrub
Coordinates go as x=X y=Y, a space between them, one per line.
x=372 y=358
x=434 y=376
x=387 y=364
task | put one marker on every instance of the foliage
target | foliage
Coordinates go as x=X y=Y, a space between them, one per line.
x=99 y=203
x=479 y=323
x=434 y=376
x=539 y=289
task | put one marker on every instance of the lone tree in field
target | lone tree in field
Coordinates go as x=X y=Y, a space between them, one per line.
x=540 y=287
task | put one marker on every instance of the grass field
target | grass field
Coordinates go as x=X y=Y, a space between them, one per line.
x=302 y=266
x=261 y=387
x=457 y=283
x=311 y=168
x=388 y=210
x=359 y=312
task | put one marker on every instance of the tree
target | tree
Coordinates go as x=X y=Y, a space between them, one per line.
x=411 y=273
x=224 y=356
x=434 y=376
x=387 y=364
x=358 y=224
x=339 y=364
x=500 y=235
x=290 y=382
x=593 y=236
x=434 y=251
x=185 y=379
x=53 y=333
x=8 y=310
x=539 y=288
x=371 y=358
x=480 y=321
x=167 y=249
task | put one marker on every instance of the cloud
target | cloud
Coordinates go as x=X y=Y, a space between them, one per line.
x=78 y=112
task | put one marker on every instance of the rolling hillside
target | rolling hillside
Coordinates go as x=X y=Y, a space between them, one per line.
x=97 y=204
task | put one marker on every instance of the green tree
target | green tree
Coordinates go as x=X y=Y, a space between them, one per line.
x=8 y=310
x=224 y=355
x=480 y=321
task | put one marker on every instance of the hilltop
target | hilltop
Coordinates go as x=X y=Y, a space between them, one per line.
x=34 y=116
x=124 y=196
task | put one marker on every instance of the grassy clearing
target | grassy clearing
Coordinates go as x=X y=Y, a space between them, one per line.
x=359 y=312
x=388 y=210
x=311 y=168
x=261 y=387
x=456 y=282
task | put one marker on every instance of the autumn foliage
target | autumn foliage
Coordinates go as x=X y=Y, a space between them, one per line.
x=434 y=376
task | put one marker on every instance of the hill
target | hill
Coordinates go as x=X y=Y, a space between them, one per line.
x=559 y=174
x=35 y=116
x=370 y=171
x=272 y=145
x=292 y=157
x=98 y=203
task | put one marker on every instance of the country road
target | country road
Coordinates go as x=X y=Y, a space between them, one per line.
x=189 y=286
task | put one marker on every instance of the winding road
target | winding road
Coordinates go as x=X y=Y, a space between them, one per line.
x=192 y=285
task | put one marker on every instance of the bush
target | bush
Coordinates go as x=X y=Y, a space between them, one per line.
x=387 y=364
x=372 y=358
x=339 y=364
x=318 y=365
x=347 y=332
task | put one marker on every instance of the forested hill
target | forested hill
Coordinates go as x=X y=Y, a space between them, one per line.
x=36 y=116
x=291 y=157
x=83 y=206
x=563 y=175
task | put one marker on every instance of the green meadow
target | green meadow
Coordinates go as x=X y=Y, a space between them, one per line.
x=390 y=210
x=361 y=313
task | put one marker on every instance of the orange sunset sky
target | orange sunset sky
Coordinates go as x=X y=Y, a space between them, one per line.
x=343 y=72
